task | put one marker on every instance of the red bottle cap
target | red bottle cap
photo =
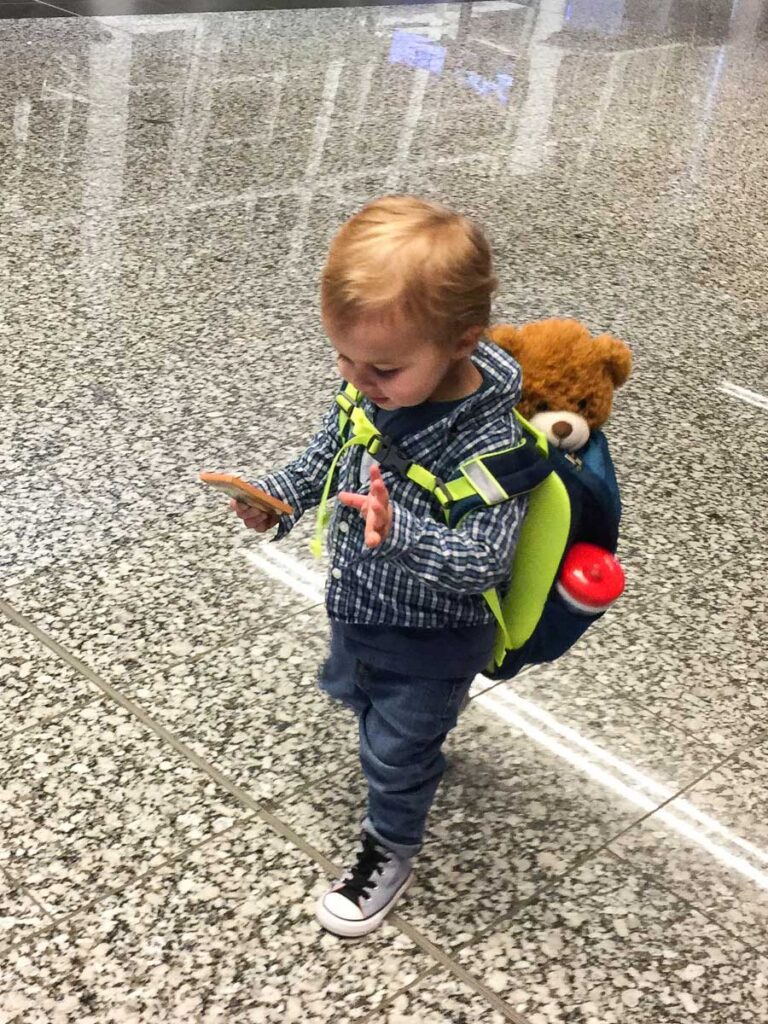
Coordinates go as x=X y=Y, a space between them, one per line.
x=591 y=578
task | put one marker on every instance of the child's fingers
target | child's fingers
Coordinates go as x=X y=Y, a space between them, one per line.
x=377 y=482
x=372 y=530
x=351 y=500
x=379 y=491
x=241 y=509
x=375 y=522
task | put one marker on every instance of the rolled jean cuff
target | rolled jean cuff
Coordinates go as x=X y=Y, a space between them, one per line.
x=408 y=850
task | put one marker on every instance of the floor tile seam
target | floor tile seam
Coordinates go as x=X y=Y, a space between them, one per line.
x=19 y=885
x=654 y=879
x=282 y=799
x=60 y=922
x=102 y=688
x=756 y=740
x=374 y=1015
x=272 y=820
x=446 y=961
x=38 y=225
x=120 y=546
x=276 y=824
x=641 y=706
x=146 y=675
x=555 y=883
x=73 y=707
x=542 y=891
x=147 y=672
x=605 y=847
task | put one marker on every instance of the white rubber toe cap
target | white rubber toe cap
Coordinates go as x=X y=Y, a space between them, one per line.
x=341 y=908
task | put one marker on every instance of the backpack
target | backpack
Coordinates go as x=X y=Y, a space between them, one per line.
x=571 y=499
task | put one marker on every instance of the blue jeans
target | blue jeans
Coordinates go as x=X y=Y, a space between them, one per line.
x=403 y=722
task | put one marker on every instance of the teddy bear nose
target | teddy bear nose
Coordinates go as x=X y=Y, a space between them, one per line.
x=561 y=429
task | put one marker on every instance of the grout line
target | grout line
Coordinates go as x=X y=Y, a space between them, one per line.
x=455 y=968
x=374 y=1016
x=661 y=717
x=61 y=921
x=113 y=548
x=584 y=858
x=270 y=819
x=17 y=884
x=654 y=880
x=281 y=828
x=193 y=659
x=616 y=691
x=129 y=705
x=72 y=708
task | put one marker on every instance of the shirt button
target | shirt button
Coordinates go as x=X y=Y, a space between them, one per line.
x=336 y=573
x=344 y=527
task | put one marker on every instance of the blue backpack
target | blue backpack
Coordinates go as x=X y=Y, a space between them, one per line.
x=571 y=499
x=577 y=502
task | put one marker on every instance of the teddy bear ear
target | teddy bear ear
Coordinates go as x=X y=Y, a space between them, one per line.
x=505 y=336
x=616 y=356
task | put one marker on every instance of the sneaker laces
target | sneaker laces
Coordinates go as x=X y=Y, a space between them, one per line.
x=360 y=879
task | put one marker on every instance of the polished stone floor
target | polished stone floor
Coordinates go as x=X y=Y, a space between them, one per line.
x=173 y=790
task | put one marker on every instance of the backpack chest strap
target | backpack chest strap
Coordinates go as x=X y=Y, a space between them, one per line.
x=354 y=422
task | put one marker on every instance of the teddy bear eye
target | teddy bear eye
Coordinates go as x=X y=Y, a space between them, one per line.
x=542 y=407
x=583 y=404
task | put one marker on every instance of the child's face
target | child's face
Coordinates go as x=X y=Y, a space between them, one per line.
x=393 y=363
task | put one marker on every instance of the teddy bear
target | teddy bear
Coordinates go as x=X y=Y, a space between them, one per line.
x=568 y=377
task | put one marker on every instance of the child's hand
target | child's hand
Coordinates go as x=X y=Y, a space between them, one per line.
x=254 y=518
x=374 y=507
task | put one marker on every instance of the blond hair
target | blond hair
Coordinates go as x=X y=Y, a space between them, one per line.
x=405 y=255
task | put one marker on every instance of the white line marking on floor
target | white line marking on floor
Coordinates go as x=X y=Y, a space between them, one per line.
x=291 y=580
x=745 y=395
x=671 y=819
x=562 y=740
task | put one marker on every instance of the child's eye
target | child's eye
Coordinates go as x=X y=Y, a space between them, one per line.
x=385 y=373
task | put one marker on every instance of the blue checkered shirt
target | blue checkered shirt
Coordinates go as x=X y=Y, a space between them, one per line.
x=423 y=574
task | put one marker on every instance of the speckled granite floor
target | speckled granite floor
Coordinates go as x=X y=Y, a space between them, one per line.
x=173 y=791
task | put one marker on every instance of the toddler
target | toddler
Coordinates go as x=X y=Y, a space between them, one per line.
x=405 y=297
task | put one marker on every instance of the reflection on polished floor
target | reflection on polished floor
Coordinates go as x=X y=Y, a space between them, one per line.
x=173 y=790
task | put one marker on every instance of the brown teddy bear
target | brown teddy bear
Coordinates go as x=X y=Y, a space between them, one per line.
x=568 y=376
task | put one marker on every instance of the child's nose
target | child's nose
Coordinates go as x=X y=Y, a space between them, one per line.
x=363 y=381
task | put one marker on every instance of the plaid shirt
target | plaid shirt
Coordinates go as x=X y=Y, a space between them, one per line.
x=423 y=574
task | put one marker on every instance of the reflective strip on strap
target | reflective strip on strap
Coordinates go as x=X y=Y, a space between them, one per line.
x=483 y=481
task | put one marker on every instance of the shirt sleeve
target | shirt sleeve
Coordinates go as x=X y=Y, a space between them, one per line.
x=468 y=559
x=301 y=482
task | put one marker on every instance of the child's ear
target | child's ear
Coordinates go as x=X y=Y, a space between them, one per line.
x=469 y=341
